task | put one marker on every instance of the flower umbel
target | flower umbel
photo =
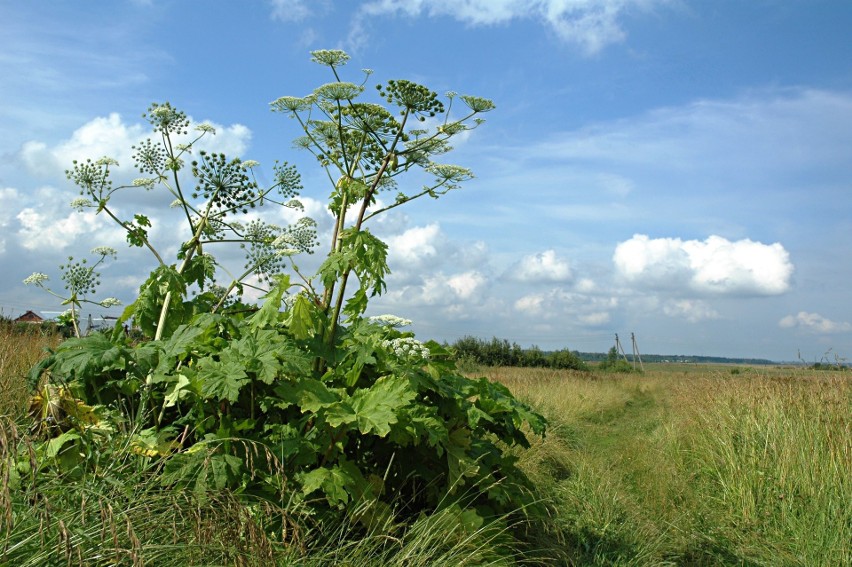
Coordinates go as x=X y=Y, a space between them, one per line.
x=81 y=203
x=105 y=251
x=390 y=320
x=37 y=278
x=145 y=182
x=407 y=348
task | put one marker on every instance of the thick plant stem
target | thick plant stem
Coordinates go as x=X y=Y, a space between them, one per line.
x=194 y=245
x=338 y=307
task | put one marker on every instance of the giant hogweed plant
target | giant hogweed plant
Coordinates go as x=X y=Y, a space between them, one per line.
x=303 y=398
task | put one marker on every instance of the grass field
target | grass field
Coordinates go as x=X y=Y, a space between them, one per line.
x=681 y=465
x=689 y=465
x=20 y=349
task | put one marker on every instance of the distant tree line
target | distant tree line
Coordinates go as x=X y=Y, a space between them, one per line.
x=500 y=352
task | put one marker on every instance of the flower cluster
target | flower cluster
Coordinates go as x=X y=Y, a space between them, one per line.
x=110 y=302
x=407 y=348
x=81 y=203
x=390 y=320
x=36 y=278
x=145 y=182
x=105 y=251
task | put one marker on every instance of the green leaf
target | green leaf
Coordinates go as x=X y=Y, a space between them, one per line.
x=269 y=313
x=341 y=413
x=357 y=304
x=221 y=380
x=460 y=463
x=334 y=266
x=177 y=391
x=301 y=319
x=55 y=445
x=339 y=483
x=152 y=295
x=225 y=470
x=368 y=258
x=258 y=354
x=376 y=408
x=309 y=394
x=201 y=268
x=86 y=357
x=180 y=343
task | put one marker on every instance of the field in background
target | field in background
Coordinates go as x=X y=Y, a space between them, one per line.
x=21 y=346
x=683 y=465
x=694 y=465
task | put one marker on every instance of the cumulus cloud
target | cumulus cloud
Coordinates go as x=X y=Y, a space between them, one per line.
x=713 y=266
x=8 y=200
x=102 y=136
x=467 y=284
x=416 y=245
x=814 y=322
x=53 y=226
x=690 y=309
x=590 y=24
x=111 y=136
x=449 y=293
x=541 y=267
x=559 y=304
x=427 y=249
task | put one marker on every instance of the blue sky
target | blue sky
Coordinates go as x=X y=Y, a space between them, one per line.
x=677 y=169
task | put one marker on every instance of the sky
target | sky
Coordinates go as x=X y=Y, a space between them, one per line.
x=678 y=170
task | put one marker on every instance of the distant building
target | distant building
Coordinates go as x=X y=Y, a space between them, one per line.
x=30 y=317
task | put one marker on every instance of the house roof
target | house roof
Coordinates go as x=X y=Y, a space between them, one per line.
x=29 y=317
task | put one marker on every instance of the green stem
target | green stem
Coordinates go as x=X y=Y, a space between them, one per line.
x=192 y=247
x=338 y=307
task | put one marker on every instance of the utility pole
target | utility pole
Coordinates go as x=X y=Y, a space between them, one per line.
x=619 y=348
x=636 y=354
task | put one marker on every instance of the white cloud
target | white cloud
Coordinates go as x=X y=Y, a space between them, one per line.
x=467 y=285
x=290 y=10
x=102 y=136
x=590 y=24
x=415 y=245
x=690 y=309
x=814 y=322
x=8 y=200
x=111 y=136
x=561 y=304
x=787 y=128
x=715 y=265
x=450 y=294
x=585 y=285
x=542 y=267
x=53 y=226
x=594 y=319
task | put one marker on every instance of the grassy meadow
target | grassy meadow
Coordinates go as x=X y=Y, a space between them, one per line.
x=681 y=465
x=694 y=465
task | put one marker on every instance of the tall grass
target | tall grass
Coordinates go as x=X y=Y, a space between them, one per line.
x=21 y=346
x=704 y=468
x=774 y=458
